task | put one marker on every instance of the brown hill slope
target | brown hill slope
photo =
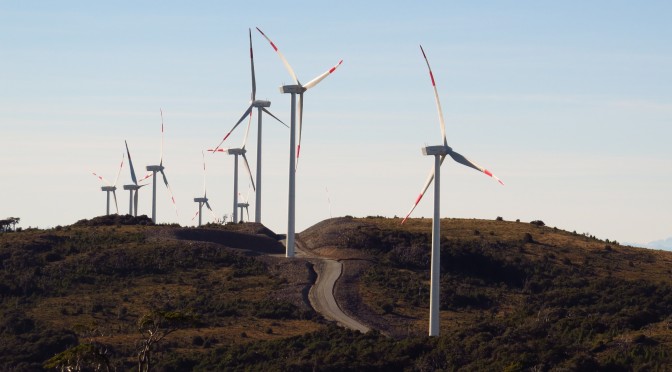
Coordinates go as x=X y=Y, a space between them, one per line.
x=520 y=282
x=514 y=296
x=94 y=281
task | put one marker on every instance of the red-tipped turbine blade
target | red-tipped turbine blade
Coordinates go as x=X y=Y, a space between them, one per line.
x=102 y=179
x=284 y=61
x=430 y=178
x=436 y=97
x=254 y=82
x=314 y=82
x=221 y=149
x=245 y=114
x=148 y=175
x=464 y=161
x=196 y=215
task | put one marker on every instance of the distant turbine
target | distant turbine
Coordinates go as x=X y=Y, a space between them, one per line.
x=134 y=187
x=439 y=152
x=261 y=107
x=159 y=168
x=202 y=200
x=238 y=152
x=299 y=89
x=111 y=187
x=244 y=205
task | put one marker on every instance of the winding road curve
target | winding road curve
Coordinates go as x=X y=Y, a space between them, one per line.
x=321 y=294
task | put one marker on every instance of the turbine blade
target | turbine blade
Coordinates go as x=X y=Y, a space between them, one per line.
x=464 y=161
x=314 y=82
x=247 y=212
x=135 y=201
x=254 y=82
x=245 y=114
x=161 y=161
x=212 y=213
x=430 y=178
x=119 y=172
x=436 y=97
x=274 y=117
x=298 y=143
x=170 y=191
x=284 y=61
x=221 y=149
x=196 y=215
x=247 y=130
x=249 y=172
x=148 y=175
x=102 y=179
x=130 y=164
x=116 y=206
x=203 y=155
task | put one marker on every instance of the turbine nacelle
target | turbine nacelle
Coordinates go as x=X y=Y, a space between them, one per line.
x=261 y=103
x=296 y=89
x=108 y=188
x=240 y=151
x=436 y=150
x=132 y=187
x=201 y=200
x=155 y=168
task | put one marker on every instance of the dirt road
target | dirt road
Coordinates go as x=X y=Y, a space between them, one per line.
x=321 y=294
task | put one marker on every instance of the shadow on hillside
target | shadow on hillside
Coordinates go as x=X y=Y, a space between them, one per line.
x=253 y=242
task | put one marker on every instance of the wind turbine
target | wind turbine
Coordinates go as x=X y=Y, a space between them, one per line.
x=134 y=187
x=244 y=205
x=202 y=200
x=238 y=152
x=261 y=107
x=111 y=187
x=295 y=89
x=439 y=152
x=159 y=168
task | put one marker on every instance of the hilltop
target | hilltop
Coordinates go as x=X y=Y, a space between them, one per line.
x=514 y=296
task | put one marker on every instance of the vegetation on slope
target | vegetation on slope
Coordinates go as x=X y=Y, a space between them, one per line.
x=514 y=296
x=93 y=283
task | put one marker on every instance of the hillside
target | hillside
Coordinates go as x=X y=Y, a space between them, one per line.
x=514 y=296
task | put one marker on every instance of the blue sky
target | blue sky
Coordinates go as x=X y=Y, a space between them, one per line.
x=570 y=103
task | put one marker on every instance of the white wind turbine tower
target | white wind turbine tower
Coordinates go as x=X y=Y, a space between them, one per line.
x=159 y=168
x=202 y=200
x=134 y=187
x=238 y=152
x=295 y=89
x=111 y=187
x=439 y=152
x=261 y=107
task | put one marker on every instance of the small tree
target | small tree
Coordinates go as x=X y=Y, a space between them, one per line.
x=154 y=327
x=4 y=224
